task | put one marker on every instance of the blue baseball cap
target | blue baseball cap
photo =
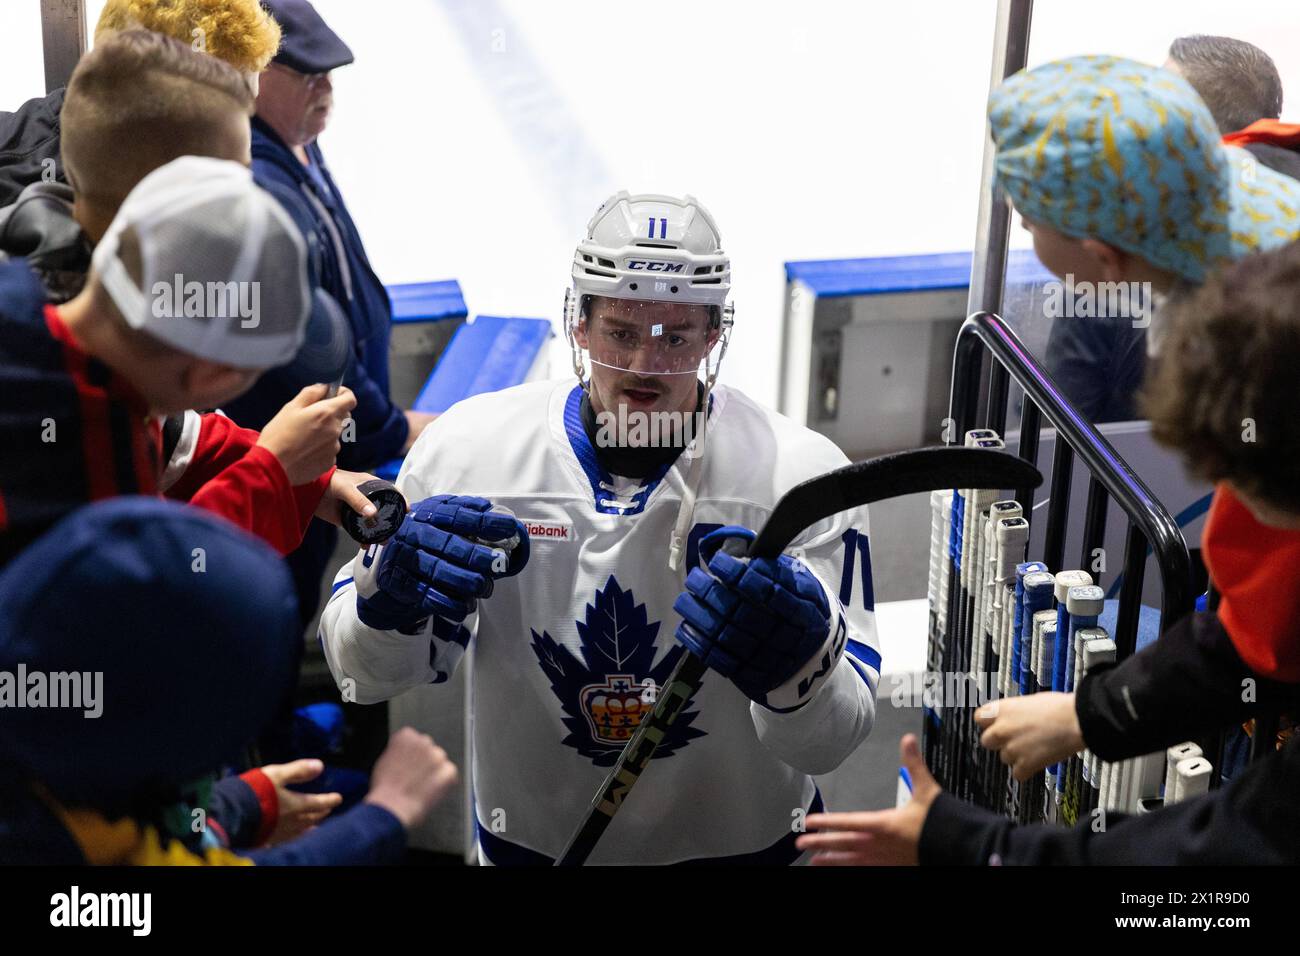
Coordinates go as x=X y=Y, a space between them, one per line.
x=308 y=45
x=190 y=624
x=1113 y=149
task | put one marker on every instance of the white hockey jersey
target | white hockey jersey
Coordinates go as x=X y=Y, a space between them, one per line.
x=568 y=652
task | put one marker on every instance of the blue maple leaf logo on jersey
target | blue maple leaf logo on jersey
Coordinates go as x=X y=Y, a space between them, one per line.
x=607 y=693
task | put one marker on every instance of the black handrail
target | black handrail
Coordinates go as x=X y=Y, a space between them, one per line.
x=1150 y=524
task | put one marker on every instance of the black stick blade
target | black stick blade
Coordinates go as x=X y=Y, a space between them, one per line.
x=903 y=473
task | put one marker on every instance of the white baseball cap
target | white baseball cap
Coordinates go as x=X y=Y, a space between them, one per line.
x=221 y=268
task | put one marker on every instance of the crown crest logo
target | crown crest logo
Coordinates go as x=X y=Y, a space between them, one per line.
x=612 y=687
x=615 y=709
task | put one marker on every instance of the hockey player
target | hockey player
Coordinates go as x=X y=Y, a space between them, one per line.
x=608 y=489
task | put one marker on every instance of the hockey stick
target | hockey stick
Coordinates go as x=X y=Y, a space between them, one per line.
x=909 y=472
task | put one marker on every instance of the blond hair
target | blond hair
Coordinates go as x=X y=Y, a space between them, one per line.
x=239 y=32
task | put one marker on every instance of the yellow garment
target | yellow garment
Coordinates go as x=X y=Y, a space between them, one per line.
x=125 y=843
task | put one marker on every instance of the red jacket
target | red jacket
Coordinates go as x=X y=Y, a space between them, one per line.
x=226 y=472
x=1256 y=569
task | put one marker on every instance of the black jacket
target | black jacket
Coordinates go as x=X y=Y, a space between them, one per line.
x=1188 y=683
x=39 y=227
x=28 y=138
x=1255 y=819
x=1278 y=158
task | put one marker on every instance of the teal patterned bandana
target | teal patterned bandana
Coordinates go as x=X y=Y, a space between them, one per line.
x=1127 y=153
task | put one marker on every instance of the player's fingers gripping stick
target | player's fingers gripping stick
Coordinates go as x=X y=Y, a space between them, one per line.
x=756 y=621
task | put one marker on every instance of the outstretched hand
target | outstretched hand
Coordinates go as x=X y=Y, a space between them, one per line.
x=876 y=837
x=1031 y=732
x=299 y=812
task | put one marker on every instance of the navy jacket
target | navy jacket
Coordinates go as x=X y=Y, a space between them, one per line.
x=103 y=447
x=1099 y=364
x=366 y=835
x=381 y=427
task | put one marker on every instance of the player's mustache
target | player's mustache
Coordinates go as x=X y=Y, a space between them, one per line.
x=641 y=385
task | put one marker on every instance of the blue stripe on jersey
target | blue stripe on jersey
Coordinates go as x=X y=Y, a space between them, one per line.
x=781 y=853
x=591 y=466
x=865 y=654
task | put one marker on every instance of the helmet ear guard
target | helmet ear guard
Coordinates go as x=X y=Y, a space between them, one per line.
x=724 y=324
x=571 y=315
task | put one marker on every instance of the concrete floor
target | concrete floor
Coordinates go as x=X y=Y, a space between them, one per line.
x=868 y=779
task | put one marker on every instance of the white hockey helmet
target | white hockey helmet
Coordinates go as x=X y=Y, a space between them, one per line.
x=659 y=248
x=651 y=248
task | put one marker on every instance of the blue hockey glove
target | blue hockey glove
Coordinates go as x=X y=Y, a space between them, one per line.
x=756 y=621
x=446 y=554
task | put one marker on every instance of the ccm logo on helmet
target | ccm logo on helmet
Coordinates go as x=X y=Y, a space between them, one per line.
x=653 y=265
x=549 y=530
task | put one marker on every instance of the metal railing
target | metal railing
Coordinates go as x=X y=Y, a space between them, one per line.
x=967 y=632
x=1110 y=477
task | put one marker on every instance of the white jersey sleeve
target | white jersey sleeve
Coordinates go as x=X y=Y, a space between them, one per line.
x=817 y=735
x=371 y=665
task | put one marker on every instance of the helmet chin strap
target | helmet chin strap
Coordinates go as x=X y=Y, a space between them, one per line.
x=686 y=511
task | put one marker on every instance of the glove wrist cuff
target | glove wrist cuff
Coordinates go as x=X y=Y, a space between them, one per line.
x=809 y=679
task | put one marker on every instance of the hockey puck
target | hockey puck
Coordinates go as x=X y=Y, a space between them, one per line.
x=392 y=510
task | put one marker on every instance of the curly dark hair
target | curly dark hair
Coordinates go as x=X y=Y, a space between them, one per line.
x=1224 y=388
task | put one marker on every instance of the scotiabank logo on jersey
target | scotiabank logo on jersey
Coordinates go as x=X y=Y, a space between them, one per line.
x=549 y=530
x=607 y=689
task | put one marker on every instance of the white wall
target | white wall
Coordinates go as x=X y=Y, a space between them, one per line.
x=497 y=128
x=22 y=70
x=474 y=138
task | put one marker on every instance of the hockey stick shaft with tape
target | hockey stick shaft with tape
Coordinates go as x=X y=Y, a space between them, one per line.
x=853 y=486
